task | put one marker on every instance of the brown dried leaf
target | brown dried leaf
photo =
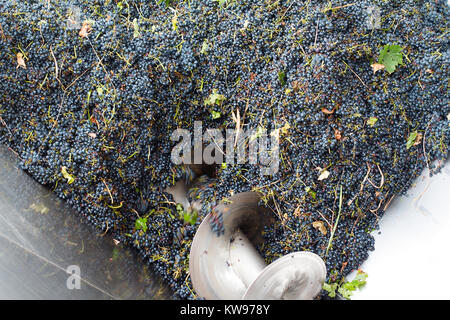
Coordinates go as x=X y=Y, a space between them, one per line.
x=320 y=226
x=337 y=134
x=326 y=111
x=377 y=66
x=20 y=60
x=344 y=264
x=86 y=29
x=418 y=139
x=93 y=120
x=237 y=120
x=295 y=85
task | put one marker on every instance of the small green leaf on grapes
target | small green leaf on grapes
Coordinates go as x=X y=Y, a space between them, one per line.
x=282 y=77
x=215 y=114
x=371 y=121
x=214 y=98
x=141 y=224
x=391 y=57
x=411 y=139
x=330 y=288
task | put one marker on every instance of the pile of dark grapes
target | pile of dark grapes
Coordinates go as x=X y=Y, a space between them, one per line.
x=92 y=90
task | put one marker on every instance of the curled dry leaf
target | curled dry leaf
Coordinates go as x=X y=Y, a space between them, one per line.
x=86 y=29
x=377 y=66
x=418 y=139
x=344 y=264
x=320 y=226
x=323 y=175
x=20 y=60
x=93 y=120
x=295 y=85
x=67 y=175
x=326 y=111
x=337 y=134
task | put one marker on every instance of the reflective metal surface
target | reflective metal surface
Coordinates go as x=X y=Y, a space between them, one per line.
x=229 y=267
x=41 y=239
x=296 y=276
x=210 y=265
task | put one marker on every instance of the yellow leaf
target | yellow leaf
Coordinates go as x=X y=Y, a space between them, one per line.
x=298 y=212
x=372 y=120
x=320 y=226
x=174 y=22
x=40 y=208
x=66 y=175
x=285 y=128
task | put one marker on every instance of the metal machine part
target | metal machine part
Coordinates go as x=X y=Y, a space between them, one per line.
x=296 y=276
x=229 y=267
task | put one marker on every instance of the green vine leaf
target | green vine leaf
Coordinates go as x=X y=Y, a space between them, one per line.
x=141 y=224
x=215 y=114
x=391 y=56
x=214 y=98
x=282 y=77
x=205 y=47
x=347 y=288
x=411 y=139
x=330 y=288
x=311 y=192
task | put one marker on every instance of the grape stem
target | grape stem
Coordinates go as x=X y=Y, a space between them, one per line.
x=336 y=223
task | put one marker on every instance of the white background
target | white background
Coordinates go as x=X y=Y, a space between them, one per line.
x=412 y=254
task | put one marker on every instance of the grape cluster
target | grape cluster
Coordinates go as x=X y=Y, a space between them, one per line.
x=101 y=97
